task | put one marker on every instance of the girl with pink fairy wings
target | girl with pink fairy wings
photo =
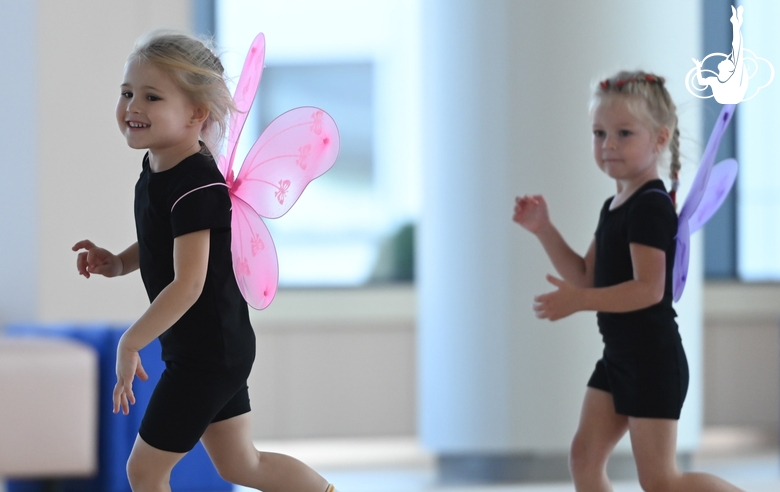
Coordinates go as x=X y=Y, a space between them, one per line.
x=202 y=250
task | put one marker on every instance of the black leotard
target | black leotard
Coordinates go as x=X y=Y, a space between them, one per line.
x=644 y=364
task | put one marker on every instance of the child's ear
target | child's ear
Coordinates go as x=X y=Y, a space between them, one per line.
x=662 y=138
x=199 y=116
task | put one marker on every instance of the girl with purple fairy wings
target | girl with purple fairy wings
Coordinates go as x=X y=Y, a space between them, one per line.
x=633 y=270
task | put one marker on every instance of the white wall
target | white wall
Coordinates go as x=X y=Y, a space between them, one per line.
x=19 y=245
x=86 y=172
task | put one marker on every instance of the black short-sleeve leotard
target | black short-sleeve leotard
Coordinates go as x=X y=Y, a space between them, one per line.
x=209 y=351
x=644 y=364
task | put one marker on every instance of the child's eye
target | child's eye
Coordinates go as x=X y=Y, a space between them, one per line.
x=152 y=97
x=599 y=133
x=127 y=94
x=625 y=133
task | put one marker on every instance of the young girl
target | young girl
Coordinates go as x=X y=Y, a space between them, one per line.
x=172 y=100
x=626 y=276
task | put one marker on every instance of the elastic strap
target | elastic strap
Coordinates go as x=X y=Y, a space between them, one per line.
x=196 y=189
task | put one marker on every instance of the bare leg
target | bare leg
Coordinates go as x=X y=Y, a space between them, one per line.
x=654 y=442
x=149 y=468
x=598 y=433
x=230 y=447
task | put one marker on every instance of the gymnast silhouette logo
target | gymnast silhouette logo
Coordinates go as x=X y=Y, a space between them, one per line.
x=730 y=84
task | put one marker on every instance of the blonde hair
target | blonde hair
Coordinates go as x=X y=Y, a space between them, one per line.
x=198 y=73
x=647 y=98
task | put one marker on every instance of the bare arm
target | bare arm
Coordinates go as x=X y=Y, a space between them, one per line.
x=129 y=258
x=644 y=290
x=531 y=213
x=574 y=268
x=190 y=263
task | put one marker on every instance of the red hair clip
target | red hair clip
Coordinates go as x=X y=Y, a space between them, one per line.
x=604 y=84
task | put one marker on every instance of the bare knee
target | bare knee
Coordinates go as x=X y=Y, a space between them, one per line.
x=141 y=479
x=240 y=471
x=135 y=473
x=657 y=480
x=585 y=459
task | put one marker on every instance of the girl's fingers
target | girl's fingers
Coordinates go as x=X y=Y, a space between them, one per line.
x=541 y=298
x=94 y=258
x=81 y=264
x=84 y=244
x=141 y=372
x=555 y=280
x=540 y=313
x=99 y=269
x=125 y=405
x=117 y=396
x=123 y=398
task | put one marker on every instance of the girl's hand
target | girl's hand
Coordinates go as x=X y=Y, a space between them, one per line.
x=531 y=213
x=560 y=303
x=128 y=365
x=96 y=260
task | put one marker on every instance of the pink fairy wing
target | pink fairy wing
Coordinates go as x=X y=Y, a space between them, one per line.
x=296 y=148
x=248 y=82
x=254 y=256
x=721 y=181
x=708 y=191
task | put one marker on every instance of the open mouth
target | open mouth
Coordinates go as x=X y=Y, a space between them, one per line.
x=135 y=124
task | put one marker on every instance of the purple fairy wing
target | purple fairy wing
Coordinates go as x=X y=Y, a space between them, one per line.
x=248 y=82
x=681 y=258
x=296 y=148
x=707 y=193
x=721 y=181
x=706 y=163
x=254 y=256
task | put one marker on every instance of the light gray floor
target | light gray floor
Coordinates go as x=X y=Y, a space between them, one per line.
x=753 y=474
x=748 y=459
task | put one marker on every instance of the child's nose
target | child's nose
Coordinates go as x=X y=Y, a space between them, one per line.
x=133 y=106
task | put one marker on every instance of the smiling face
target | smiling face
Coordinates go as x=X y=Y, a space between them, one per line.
x=153 y=113
x=625 y=146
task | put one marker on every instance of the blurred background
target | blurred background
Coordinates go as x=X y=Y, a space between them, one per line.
x=402 y=334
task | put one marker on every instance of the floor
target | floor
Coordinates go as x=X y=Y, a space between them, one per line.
x=747 y=458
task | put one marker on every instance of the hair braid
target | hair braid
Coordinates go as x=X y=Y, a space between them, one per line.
x=674 y=165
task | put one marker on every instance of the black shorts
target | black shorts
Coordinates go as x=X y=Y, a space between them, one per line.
x=648 y=381
x=186 y=400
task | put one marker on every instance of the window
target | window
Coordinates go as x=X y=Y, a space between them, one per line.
x=758 y=194
x=354 y=225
